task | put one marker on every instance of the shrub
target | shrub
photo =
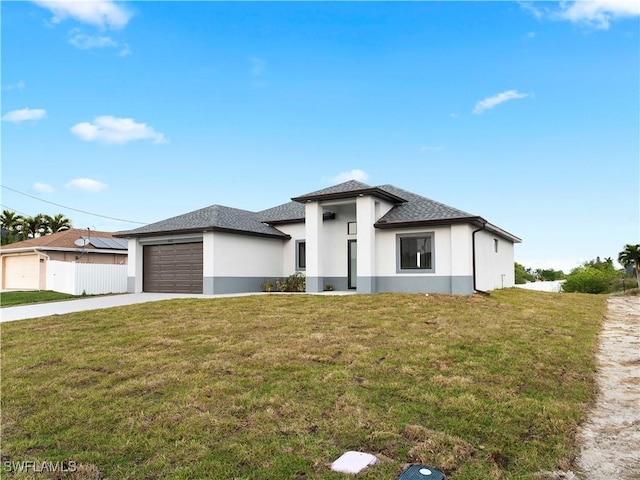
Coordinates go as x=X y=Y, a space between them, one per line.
x=589 y=279
x=294 y=283
x=522 y=274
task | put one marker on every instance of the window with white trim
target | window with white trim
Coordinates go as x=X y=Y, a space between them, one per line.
x=415 y=253
x=495 y=245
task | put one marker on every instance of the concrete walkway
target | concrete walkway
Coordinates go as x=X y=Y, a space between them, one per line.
x=23 y=312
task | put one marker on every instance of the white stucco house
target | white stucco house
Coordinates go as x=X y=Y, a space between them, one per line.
x=351 y=235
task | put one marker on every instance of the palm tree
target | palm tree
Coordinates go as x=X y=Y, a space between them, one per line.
x=10 y=223
x=57 y=223
x=630 y=258
x=32 y=227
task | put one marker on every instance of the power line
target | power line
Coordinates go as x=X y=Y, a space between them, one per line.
x=6 y=207
x=71 y=208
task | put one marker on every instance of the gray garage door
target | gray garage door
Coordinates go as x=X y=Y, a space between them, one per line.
x=175 y=268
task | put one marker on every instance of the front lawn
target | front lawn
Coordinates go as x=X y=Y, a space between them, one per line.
x=277 y=387
x=11 y=299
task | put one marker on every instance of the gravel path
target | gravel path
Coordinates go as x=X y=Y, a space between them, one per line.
x=610 y=438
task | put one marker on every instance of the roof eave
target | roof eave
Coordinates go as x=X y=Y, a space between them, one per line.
x=476 y=221
x=503 y=233
x=436 y=222
x=285 y=221
x=282 y=236
x=62 y=249
x=378 y=192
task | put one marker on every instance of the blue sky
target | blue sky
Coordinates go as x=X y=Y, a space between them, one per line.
x=525 y=113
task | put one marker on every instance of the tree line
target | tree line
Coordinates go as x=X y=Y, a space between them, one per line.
x=16 y=228
x=593 y=276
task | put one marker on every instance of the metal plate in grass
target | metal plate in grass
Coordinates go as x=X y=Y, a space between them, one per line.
x=421 y=472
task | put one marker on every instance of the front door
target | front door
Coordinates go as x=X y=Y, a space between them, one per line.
x=352 y=273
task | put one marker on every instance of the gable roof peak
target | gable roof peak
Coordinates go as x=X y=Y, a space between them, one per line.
x=349 y=189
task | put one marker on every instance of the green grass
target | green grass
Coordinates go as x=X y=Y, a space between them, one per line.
x=11 y=299
x=277 y=387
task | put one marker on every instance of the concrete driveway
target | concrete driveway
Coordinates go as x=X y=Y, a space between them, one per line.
x=23 y=312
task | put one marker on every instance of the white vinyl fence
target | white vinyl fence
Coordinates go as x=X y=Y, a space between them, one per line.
x=551 y=286
x=86 y=278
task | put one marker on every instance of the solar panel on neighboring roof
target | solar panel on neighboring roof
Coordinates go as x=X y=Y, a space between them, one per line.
x=109 y=243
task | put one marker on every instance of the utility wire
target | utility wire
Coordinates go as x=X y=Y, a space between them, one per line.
x=6 y=207
x=71 y=208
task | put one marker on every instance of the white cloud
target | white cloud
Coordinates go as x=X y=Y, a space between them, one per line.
x=25 y=114
x=113 y=130
x=86 y=42
x=491 y=102
x=15 y=86
x=125 y=50
x=598 y=13
x=429 y=148
x=87 y=184
x=101 y=13
x=528 y=6
x=258 y=66
x=355 y=174
x=42 y=187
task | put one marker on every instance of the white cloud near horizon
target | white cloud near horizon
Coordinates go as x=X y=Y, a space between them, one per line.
x=113 y=130
x=100 y=13
x=598 y=14
x=355 y=174
x=42 y=187
x=87 y=184
x=492 y=102
x=24 y=115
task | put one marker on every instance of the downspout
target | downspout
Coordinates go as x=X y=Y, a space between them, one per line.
x=473 y=255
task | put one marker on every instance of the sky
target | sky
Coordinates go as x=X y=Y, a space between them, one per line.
x=524 y=113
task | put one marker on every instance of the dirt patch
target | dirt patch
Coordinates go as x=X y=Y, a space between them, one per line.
x=610 y=437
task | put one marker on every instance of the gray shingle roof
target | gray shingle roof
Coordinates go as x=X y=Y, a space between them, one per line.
x=286 y=213
x=214 y=217
x=419 y=208
x=410 y=209
x=350 y=186
x=348 y=189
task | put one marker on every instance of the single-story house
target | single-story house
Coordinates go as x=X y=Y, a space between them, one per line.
x=24 y=264
x=351 y=235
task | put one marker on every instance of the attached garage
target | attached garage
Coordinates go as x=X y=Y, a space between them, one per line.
x=21 y=272
x=173 y=268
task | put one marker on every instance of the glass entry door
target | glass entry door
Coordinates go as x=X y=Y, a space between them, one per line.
x=352 y=273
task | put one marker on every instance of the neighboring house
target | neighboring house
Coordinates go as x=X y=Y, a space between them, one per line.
x=24 y=264
x=352 y=236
